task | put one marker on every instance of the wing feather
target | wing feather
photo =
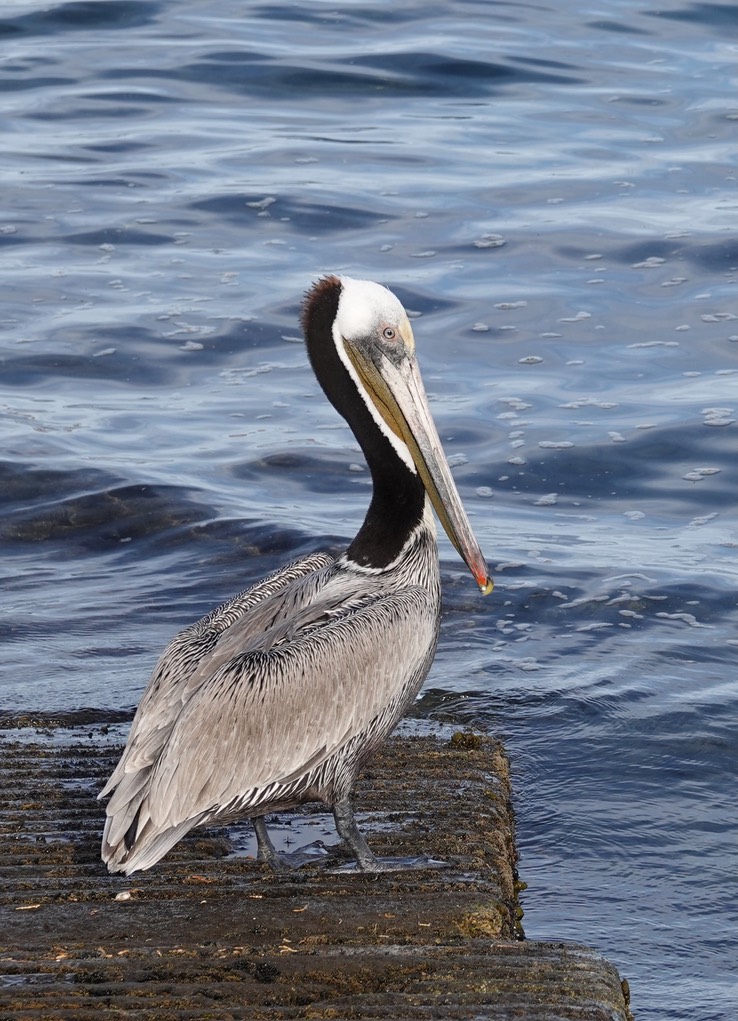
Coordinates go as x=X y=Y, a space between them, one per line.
x=179 y=668
x=266 y=718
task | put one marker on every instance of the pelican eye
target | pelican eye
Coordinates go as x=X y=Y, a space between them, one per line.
x=389 y=333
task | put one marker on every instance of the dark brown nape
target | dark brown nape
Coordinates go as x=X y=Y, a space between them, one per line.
x=398 y=494
x=322 y=297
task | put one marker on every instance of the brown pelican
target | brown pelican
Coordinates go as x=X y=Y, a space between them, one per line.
x=278 y=696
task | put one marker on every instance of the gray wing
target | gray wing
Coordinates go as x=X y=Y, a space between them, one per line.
x=266 y=717
x=179 y=667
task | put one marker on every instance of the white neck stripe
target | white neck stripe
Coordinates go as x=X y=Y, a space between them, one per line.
x=427 y=523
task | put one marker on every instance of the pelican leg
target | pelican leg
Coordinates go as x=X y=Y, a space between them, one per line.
x=349 y=832
x=266 y=850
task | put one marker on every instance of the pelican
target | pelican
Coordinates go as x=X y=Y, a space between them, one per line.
x=279 y=696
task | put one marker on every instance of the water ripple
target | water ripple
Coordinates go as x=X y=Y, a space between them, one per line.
x=549 y=193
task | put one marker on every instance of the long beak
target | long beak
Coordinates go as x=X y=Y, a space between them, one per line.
x=399 y=394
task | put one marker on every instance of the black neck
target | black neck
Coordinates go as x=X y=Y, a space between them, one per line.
x=398 y=497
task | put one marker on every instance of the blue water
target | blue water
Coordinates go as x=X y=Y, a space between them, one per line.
x=551 y=190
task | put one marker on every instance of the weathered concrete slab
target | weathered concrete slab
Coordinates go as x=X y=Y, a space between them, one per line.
x=211 y=933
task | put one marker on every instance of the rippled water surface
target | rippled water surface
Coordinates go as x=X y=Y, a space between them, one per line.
x=551 y=190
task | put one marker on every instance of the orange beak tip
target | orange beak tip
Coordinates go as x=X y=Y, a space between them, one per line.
x=486 y=586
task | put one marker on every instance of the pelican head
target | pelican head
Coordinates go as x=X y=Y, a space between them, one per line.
x=362 y=349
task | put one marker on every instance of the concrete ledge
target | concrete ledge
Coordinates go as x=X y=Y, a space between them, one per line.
x=210 y=933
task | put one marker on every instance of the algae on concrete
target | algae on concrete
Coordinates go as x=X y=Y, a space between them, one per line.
x=210 y=933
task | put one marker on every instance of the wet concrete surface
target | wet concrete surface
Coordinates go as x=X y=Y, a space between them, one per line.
x=211 y=933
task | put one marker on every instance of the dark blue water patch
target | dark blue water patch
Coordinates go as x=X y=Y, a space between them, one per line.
x=466 y=434
x=691 y=741
x=236 y=553
x=257 y=77
x=203 y=561
x=463 y=708
x=21 y=235
x=631 y=252
x=29 y=232
x=127 y=145
x=80 y=17
x=605 y=154
x=647 y=469
x=64 y=628
x=396 y=75
x=292 y=13
x=128 y=96
x=715 y=256
x=432 y=72
x=717 y=16
x=254 y=548
x=119 y=236
x=239 y=56
x=96 y=520
x=440 y=74
x=135 y=357
x=718 y=257
x=12 y=82
x=317 y=16
x=296 y=471
x=86 y=110
x=119 y=366
x=22 y=483
x=234 y=70
x=421 y=301
x=360 y=15
x=533 y=601
x=558 y=65
x=308 y=217
x=602 y=733
x=619 y=27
